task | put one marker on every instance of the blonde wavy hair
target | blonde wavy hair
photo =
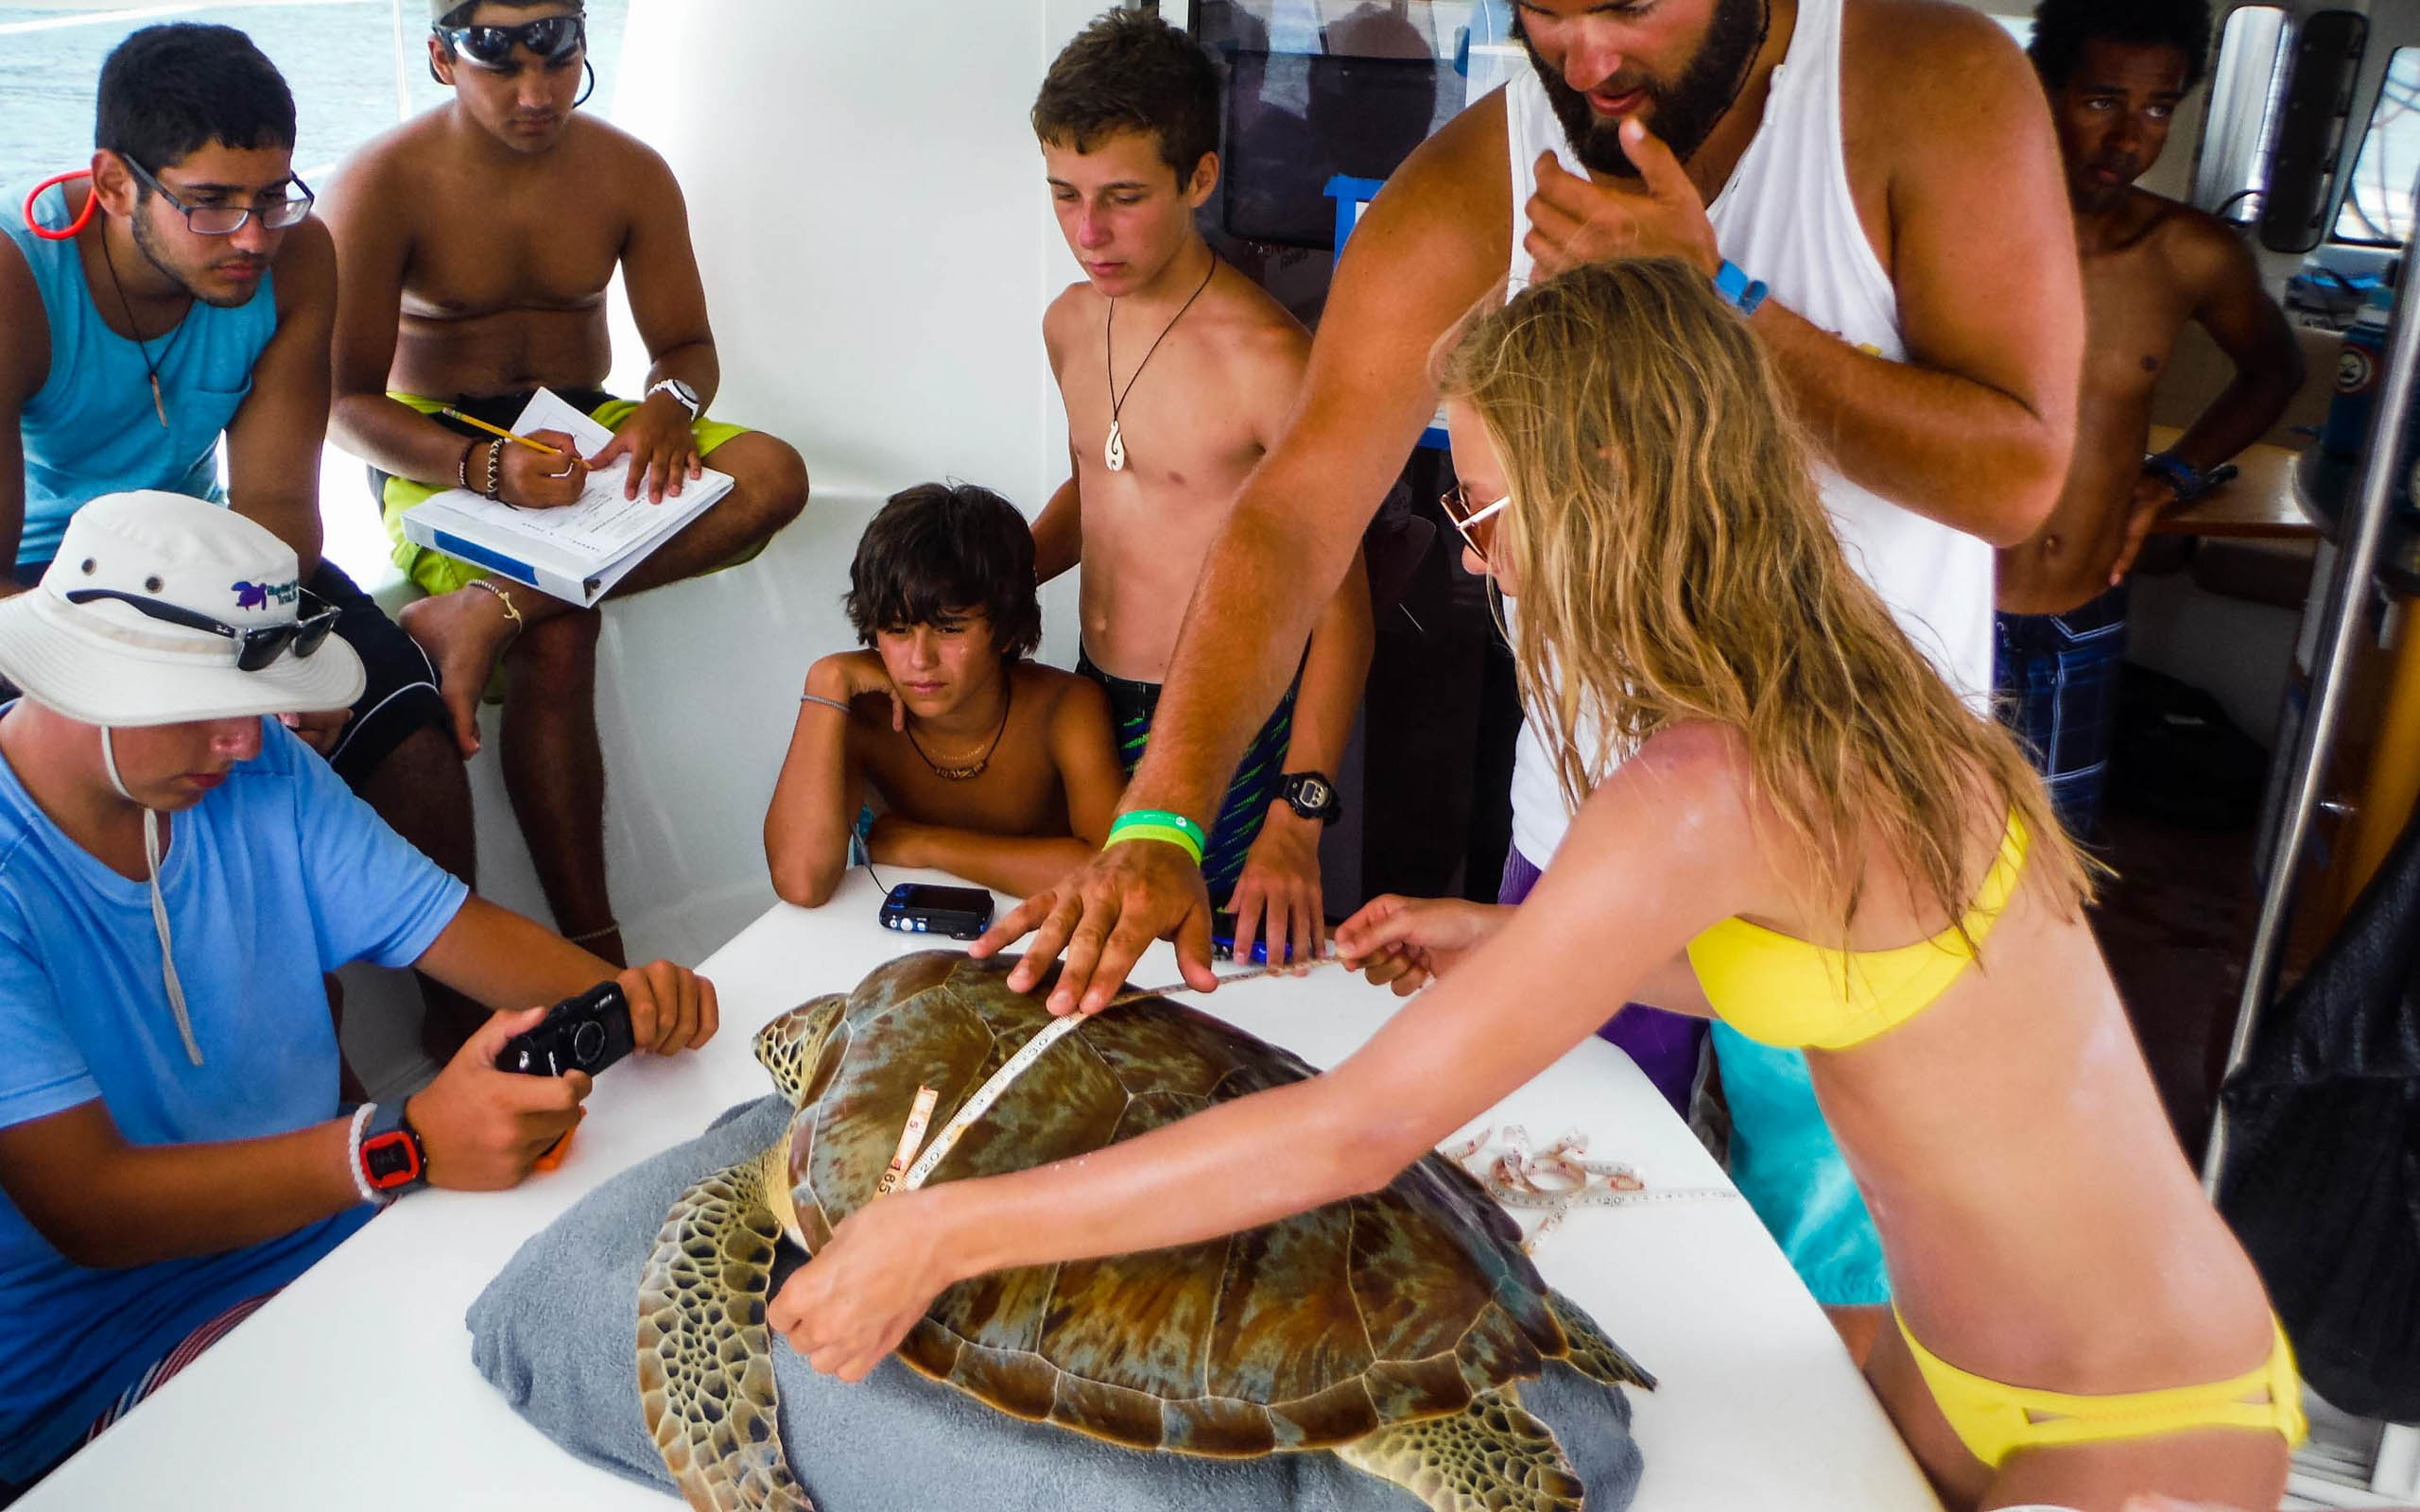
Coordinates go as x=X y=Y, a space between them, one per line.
x=1674 y=562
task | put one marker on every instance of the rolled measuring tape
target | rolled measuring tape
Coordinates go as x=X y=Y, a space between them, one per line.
x=91 y=203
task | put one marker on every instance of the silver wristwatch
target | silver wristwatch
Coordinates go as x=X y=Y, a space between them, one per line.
x=686 y=395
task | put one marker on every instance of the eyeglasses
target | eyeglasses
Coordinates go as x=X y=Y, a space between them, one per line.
x=1477 y=521
x=226 y=220
x=554 y=39
x=256 y=648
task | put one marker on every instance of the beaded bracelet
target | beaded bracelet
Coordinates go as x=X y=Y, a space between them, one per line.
x=361 y=1117
x=495 y=471
x=462 y=468
x=1161 y=825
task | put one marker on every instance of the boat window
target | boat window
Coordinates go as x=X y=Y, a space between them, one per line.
x=2378 y=198
x=2246 y=84
x=356 y=67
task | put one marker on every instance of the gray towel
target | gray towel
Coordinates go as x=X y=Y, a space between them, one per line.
x=557 y=1333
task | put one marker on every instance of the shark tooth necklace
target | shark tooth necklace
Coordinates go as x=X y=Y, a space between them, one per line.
x=158 y=406
x=1114 y=454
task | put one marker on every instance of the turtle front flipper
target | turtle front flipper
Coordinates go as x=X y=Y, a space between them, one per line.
x=1491 y=1456
x=705 y=1356
x=1593 y=1354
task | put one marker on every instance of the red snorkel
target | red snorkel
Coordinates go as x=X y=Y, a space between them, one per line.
x=92 y=203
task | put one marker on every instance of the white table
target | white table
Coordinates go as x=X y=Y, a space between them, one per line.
x=355 y=1387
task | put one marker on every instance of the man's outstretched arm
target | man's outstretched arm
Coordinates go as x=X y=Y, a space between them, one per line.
x=1434 y=243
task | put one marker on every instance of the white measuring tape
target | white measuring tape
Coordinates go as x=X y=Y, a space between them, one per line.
x=1559 y=1178
x=998 y=1082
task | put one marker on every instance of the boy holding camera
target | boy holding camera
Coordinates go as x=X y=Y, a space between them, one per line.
x=177 y=873
x=988 y=766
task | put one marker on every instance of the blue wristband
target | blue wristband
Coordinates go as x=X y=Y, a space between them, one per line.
x=1738 y=289
x=2182 y=475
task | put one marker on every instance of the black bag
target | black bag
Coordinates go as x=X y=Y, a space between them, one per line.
x=2322 y=1179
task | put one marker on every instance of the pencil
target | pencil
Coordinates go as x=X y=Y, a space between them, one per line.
x=451 y=413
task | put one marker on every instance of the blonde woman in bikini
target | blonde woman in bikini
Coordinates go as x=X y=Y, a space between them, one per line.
x=1798 y=798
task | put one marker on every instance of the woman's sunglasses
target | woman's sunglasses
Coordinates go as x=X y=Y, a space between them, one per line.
x=1477 y=521
x=256 y=648
x=555 y=39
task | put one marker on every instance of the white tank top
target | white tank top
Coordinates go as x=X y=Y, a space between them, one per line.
x=1787 y=217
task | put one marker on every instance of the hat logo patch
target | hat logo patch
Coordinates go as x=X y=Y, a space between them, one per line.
x=259 y=595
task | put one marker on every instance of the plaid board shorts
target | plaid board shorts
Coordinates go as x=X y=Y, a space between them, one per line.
x=2055 y=685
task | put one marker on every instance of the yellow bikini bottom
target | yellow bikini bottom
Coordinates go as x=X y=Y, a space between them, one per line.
x=1994 y=1421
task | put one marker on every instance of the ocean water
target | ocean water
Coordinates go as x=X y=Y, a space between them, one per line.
x=341 y=57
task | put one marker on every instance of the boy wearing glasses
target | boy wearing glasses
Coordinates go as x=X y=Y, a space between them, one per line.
x=476 y=242
x=1178 y=373
x=179 y=293
x=987 y=766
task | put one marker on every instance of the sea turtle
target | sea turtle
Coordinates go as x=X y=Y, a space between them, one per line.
x=1392 y=1329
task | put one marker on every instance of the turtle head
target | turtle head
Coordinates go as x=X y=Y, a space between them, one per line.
x=790 y=1045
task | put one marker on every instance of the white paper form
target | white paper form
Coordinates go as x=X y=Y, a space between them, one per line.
x=603 y=525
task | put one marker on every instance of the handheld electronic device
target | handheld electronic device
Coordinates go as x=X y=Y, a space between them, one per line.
x=922 y=908
x=587 y=1033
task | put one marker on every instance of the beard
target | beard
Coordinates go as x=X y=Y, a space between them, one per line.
x=1685 y=113
x=150 y=247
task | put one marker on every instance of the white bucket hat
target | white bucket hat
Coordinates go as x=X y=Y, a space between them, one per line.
x=152 y=600
x=150 y=616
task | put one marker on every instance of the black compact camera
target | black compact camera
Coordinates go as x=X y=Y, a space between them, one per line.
x=587 y=1033
x=921 y=908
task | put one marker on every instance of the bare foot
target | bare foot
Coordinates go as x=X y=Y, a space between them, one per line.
x=463 y=632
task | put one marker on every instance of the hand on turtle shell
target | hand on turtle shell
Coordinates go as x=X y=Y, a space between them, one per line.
x=672 y=1008
x=1406 y=943
x=1104 y=917
x=483 y=1129
x=850 y=1305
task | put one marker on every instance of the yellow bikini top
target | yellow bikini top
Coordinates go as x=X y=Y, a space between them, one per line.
x=1784 y=991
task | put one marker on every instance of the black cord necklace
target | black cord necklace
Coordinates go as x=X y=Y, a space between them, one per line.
x=1115 y=453
x=961 y=774
x=159 y=404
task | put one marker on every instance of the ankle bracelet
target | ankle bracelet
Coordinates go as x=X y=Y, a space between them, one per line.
x=503 y=598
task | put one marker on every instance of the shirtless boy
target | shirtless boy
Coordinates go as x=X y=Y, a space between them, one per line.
x=990 y=768
x=474 y=244
x=1178 y=375
x=2115 y=70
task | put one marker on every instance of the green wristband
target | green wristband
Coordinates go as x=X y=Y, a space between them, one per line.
x=1152 y=824
x=1156 y=832
x=1165 y=820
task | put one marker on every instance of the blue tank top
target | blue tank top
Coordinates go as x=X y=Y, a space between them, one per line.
x=90 y=429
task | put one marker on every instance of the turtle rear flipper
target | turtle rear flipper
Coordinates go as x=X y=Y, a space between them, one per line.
x=1491 y=1456
x=705 y=1356
x=1593 y=1354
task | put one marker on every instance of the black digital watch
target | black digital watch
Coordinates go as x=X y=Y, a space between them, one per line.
x=1312 y=796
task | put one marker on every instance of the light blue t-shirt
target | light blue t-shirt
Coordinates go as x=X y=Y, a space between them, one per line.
x=90 y=429
x=276 y=877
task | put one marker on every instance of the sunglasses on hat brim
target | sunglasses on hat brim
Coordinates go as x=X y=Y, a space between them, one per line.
x=555 y=39
x=256 y=648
